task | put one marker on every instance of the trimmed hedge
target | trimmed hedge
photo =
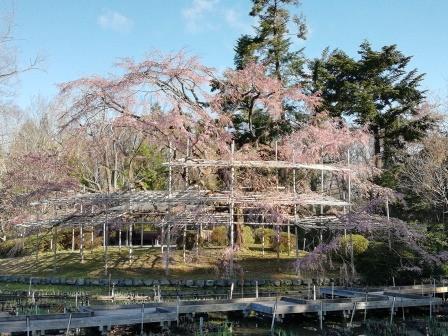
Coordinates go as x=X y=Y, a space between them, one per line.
x=283 y=243
x=360 y=243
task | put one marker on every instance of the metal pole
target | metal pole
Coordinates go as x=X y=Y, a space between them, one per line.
x=321 y=315
x=130 y=242
x=141 y=234
x=262 y=235
x=187 y=184
x=232 y=176
x=177 y=310
x=392 y=310
x=105 y=224
x=388 y=221
x=81 y=239
x=168 y=225
x=353 y=314
x=365 y=306
x=256 y=289
x=276 y=158
x=119 y=238
x=143 y=316
x=273 y=314
x=73 y=239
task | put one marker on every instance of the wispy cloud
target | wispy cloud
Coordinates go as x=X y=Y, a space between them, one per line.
x=115 y=21
x=195 y=14
x=233 y=19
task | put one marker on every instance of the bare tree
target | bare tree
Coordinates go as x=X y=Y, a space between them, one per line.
x=426 y=171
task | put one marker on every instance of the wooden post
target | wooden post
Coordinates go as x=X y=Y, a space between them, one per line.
x=289 y=239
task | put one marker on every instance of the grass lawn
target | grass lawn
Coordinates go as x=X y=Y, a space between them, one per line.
x=147 y=263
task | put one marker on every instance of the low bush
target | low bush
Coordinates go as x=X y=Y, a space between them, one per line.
x=219 y=236
x=248 y=235
x=360 y=244
x=190 y=240
x=268 y=233
x=282 y=243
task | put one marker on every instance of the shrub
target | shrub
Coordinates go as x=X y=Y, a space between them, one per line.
x=11 y=248
x=283 y=243
x=377 y=264
x=219 y=236
x=190 y=240
x=360 y=243
x=268 y=233
x=248 y=235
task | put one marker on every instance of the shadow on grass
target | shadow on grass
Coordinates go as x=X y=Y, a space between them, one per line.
x=148 y=262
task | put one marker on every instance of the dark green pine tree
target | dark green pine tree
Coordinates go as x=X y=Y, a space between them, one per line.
x=271 y=45
x=376 y=90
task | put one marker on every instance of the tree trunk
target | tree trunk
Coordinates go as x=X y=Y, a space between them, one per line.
x=377 y=146
x=239 y=241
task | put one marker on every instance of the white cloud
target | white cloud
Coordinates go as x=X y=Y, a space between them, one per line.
x=115 y=21
x=195 y=15
x=234 y=20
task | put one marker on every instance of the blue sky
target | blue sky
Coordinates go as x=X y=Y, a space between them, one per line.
x=83 y=37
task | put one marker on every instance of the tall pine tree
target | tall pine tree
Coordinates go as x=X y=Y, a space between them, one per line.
x=271 y=45
x=376 y=90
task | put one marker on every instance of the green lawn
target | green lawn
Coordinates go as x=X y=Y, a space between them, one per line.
x=147 y=262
